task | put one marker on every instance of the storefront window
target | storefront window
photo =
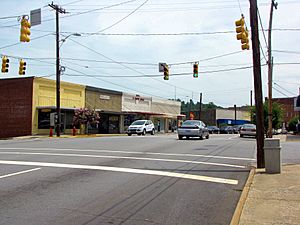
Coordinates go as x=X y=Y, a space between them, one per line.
x=44 y=118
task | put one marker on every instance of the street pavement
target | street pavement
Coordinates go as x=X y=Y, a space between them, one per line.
x=50 y=181
x=123 y=180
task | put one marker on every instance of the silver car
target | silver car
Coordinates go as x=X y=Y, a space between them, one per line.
x=248 y=130
x=193 y=128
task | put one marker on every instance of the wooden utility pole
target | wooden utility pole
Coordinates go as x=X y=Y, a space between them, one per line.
x=234 y=114
x=200 y=106
x=257 y=85
x=270 y=72
x=58 y=114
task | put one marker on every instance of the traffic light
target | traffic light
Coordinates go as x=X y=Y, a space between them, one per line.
x=195 y=70
x=22 y=67
x=166 y=72
x=25 y=30
x=242 y=33
x=5 y=64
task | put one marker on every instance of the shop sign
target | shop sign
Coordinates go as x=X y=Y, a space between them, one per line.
x=105 y=97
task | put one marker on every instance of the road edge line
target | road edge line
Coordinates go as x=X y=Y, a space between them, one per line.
x=239 y=208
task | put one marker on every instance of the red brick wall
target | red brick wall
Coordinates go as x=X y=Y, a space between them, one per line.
x=287 y=105
x=15 y=107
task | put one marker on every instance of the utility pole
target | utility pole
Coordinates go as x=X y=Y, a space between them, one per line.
x=234 y=114
x=257 y=85
x=200 y=106
x=270 y=71
x=58 y=114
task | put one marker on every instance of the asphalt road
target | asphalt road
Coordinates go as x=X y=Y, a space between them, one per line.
x=133 y=180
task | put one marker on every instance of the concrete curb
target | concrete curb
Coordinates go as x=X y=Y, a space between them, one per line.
x=239 y=208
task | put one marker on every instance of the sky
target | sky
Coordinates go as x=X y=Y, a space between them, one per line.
x=122 y=42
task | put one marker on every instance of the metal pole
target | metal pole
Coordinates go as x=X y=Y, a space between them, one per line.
x=270 y=74
x=234 y=114
x=251 y=97
x=257 y=85
x=200 y=106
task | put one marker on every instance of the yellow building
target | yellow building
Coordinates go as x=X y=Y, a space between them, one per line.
x=72 y=96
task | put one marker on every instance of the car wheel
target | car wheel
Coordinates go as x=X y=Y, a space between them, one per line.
x=187 y=137
x=207 y=136
x=201 y=137
x=129 y=134
x=144 y=132
x=241 y=135
x=180 y=137
x=139 y=134
x=152 y=132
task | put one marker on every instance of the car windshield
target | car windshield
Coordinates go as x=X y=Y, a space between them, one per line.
x=139 y=122
x=191 y=123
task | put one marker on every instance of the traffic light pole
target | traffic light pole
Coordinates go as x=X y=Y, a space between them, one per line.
x=257 y=85
x=58 y=114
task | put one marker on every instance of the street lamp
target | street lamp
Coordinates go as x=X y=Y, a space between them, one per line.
x=58 y=71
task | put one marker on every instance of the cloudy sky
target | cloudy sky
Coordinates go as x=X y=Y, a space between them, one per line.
x=122 y=42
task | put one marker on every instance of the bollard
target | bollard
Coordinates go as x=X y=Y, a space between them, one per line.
x=272 y=151
x=51 y=132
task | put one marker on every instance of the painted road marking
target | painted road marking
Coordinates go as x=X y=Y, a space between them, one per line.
x=124 y=170
x=131 y=152
x=18 y=173
x=123 y=157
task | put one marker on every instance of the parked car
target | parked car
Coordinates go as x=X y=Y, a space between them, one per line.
x=248 y=130
x=213 y=129
x=236 y=129
x=226 y=130
x=141 y=127
x=193 y=128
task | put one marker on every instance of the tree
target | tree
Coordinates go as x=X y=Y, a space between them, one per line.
x=292 y=124
x=85 y=116
x=277 y=115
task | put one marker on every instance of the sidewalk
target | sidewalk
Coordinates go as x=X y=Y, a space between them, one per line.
x=272 y=198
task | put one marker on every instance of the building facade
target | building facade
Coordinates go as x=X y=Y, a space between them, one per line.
x=28 y=107
x=287 y=105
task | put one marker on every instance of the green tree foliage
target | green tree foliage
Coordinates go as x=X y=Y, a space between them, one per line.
x=85 y=116
x=292 y=124
x=277 y=113
x=191 y=106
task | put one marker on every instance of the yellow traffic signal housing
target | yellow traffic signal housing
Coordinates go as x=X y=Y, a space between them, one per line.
x=195 y=70
x=25 y=30
x=5 y=64
x=22 y=67
x=242 y=33
x=166 y=72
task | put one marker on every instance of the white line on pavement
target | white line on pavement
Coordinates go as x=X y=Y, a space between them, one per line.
x=124 y=170
x=18 y=173
x=123 y=157
x=130 y=152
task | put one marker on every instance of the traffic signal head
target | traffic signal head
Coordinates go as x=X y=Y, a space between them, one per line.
x=166 y=72
x=5 y=64
x=242 y=33
x=25 y=30
x=195 y=70
x=22 y=67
